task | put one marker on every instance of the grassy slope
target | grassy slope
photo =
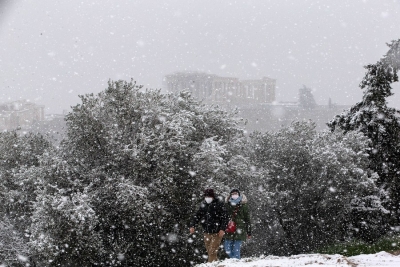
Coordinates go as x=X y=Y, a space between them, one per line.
x=388 y=244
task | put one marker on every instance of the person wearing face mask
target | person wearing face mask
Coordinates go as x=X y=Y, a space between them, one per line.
x=238 y=212
x=213 y=218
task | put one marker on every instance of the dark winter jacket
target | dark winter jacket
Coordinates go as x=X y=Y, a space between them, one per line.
x=242 y=219
x=212 y=217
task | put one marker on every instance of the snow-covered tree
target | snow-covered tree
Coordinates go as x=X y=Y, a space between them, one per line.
x=380 y=123
x=126 y=181
x=18 y=153
x=306 y=98
x=309 y=185
x=14 y=250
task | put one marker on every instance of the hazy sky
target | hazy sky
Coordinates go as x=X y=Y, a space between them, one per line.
x=51 y=51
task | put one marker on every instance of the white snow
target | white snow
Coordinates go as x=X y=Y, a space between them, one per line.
x=381 y=259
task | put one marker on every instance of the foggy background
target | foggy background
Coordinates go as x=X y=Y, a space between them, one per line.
x=51 y=51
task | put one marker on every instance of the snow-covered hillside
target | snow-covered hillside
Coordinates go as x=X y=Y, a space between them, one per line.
x=381 y=259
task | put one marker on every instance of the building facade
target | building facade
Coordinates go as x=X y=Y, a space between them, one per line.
x=19 y=114
x=211 y=88
x=254 y=100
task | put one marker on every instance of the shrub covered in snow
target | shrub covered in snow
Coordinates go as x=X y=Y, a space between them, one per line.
x=312 y=188
x=18 y=154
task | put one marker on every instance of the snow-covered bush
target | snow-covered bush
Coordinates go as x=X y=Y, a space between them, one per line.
x=18 y=153
x=14 y=250
x=309 y=185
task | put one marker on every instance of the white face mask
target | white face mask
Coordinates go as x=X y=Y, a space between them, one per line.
x=234 y=196
x=208 y=199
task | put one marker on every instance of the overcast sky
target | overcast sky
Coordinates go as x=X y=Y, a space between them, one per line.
x=51 y=51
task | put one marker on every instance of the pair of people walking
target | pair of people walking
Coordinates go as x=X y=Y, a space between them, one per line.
x=229 y=219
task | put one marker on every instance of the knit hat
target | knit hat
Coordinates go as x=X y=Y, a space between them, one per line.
x=235 y=190
x=209 y=193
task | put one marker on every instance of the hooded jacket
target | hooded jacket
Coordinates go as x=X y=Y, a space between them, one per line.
x=242 y=219
x=212 y=217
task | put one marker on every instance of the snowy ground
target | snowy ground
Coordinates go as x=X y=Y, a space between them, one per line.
x=381 y=259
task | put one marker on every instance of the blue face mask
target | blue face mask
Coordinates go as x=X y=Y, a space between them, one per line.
x=208 y=199
x=235 y=199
